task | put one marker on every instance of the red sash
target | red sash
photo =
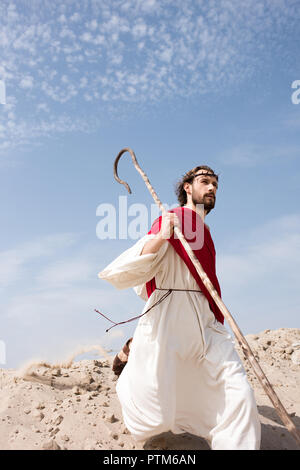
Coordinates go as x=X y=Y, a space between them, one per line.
x=203 y=247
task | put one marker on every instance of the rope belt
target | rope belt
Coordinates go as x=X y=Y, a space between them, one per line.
x=148 y=310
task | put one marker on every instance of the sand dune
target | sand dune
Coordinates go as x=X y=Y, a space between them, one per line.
x=74 y=405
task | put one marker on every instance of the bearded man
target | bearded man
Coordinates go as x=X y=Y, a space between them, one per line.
x=183 y=373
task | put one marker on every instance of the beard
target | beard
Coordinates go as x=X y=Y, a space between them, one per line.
x=208 y=202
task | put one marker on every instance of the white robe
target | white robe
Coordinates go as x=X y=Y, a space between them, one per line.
x=183 y=373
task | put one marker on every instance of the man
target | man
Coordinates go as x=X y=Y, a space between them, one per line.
x=183 y=373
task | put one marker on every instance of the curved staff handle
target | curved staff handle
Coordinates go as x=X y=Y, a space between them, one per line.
x=141 y=172
x=281 y=411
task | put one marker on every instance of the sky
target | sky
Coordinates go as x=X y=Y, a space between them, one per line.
x=182 y=84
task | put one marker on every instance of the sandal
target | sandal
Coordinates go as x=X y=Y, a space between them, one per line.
x=121 y=358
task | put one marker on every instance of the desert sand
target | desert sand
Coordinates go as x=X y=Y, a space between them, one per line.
x=74 y=405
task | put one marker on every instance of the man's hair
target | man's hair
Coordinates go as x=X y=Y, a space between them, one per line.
x=188 y=178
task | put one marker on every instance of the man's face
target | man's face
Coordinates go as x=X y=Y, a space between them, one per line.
x=203 y=190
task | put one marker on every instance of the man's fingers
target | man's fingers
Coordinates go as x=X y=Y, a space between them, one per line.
x=174 y=219
x=169 y=221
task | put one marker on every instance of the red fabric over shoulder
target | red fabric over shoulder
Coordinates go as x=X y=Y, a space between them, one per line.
x=199 y=238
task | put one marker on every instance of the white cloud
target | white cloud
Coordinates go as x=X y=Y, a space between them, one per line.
x=248 y=155
x=13 y=262
x=259 y=274
x=26 y=82
x=67 y=271
x=86 y=36
x=166 y=54
x=93 y=25
x=50 y=290
x=202 y=48
x=21 y=132
x=139 y=30
x=67 y=33
x=54 y=303
x=75 y=17
x=149 y=5
x=60 y=323
x=43 y=107
x=62 y=19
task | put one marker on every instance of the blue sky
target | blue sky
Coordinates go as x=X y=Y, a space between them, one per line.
x=182 y=83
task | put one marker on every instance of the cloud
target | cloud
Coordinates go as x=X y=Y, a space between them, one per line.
x=67 y=271
x=52 y=274
x=13 y=262
x=53 y=303
x=259 y=274
x=42 y=107
x=176 y=48
x=26 y=82
x=49 y=291
x=248 y=155
x=17 y=132
x=75 y=17
x=53 y=323
x=268 y=250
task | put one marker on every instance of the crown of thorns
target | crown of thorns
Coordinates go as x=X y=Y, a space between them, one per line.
x=208 y=173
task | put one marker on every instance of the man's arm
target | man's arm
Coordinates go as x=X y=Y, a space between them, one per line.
x=169 y=220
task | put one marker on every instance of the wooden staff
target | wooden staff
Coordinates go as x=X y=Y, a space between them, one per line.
x=281 y=411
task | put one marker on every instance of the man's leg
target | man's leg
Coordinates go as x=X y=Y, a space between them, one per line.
x=214 y=398
x=237 y=424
